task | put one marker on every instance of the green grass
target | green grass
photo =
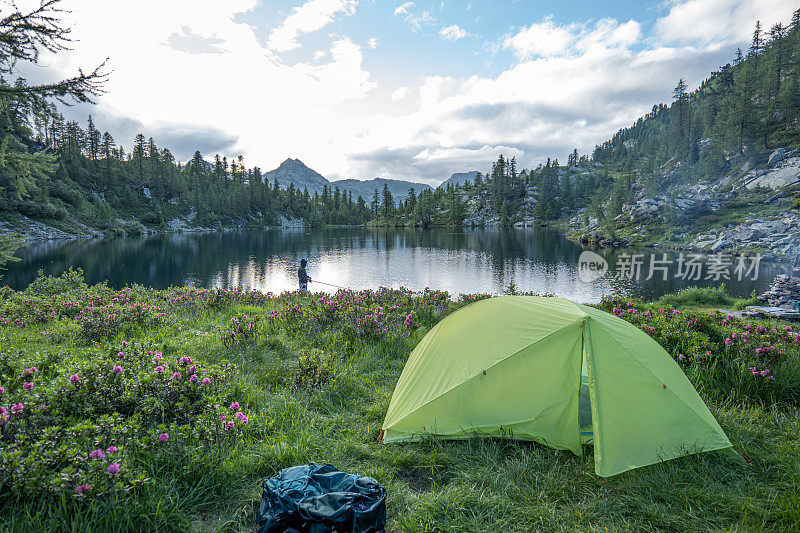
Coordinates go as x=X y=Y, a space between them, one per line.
x=473 y=485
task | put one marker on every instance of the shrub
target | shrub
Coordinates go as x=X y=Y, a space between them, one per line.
x=79 y=425
x=40 y=210
x=71 y=280
x=242 y=331
x=62 y=191
x=316 y=369
x=133 y=227
x=697 y=296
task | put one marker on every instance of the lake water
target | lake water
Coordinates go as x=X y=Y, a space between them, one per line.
x=458 y=261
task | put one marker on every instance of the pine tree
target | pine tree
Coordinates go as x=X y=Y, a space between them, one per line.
x=93 y=137
x=108 y=154
x=681 y=98
x=376 y=205
x=388 y=203
x=139 y=150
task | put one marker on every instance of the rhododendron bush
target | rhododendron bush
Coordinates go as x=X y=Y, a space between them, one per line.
x=360 y=315
x=83 y=418
x=79 y=423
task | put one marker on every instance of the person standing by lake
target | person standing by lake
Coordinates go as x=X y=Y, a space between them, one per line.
x=302 y=276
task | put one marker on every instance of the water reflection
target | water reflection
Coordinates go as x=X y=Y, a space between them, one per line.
x=459 y=261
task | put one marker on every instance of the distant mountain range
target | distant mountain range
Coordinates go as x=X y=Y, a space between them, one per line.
x=459 y=178
x=296 y=172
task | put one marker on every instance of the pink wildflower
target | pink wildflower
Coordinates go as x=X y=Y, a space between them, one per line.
x=229 y=425
x=159 y=369
x=117 y=369
x=97 y=454
x=193 y=378
x=74 y=378
x=111 y=449
x=235 y=405
x=164 y=437
x=113 y=468
x=681 y=357
x=82 y=488
x=27 y=385
x=176 y=375
x=17 y=407
x=206 y=381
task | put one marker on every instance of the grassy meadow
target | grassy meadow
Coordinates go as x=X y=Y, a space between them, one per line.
x=157 y=410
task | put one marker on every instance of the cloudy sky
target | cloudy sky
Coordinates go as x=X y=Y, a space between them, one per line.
x=398 y=89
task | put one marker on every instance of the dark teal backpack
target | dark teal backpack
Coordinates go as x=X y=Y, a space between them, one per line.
x=321 y=499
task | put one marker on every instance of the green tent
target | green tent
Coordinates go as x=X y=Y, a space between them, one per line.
x=556 y=372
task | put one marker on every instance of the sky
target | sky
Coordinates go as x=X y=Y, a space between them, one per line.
x=413 y=90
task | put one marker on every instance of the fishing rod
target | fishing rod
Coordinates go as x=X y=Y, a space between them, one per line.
x=330 y=284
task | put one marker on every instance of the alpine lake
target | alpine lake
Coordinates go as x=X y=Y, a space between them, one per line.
x=470 y=260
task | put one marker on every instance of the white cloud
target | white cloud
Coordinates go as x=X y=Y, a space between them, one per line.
x=542 y=39
x=719 y=22
x=452 y=33
x=399 y=94
x=307 y=18
x=425 y=19
x=282 y=109
x=574 y=90
x=402 y=9
x=608 y=33
x=373 y=43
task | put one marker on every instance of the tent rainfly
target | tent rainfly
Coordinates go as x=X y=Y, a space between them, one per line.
x=555 y=372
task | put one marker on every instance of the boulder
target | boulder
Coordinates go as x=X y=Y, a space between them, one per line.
x=776 y=156
x=720 y=245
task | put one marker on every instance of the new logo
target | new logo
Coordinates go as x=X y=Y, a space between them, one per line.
x=591 y=266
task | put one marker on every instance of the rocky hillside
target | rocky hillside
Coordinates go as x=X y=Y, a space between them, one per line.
x=748 y=209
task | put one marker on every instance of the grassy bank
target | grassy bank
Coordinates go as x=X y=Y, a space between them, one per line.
x=293 y=379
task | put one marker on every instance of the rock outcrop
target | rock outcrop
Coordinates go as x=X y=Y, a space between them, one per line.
x=782 y=291
x=780 y=236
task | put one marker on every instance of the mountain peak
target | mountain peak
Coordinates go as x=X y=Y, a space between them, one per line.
x=289 y=162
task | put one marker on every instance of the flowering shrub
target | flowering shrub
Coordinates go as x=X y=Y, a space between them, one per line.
x=241 y=331
x=363 y=315
x=76 y=424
